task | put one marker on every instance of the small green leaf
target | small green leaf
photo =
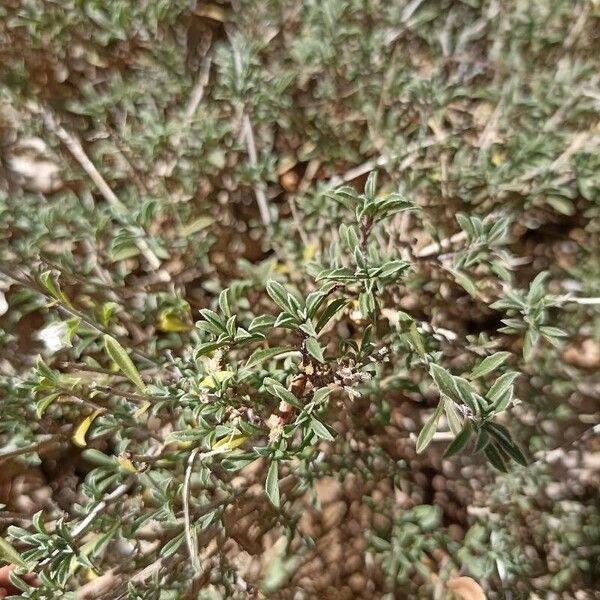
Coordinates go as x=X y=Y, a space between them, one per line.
x=366 y=304
x=224 y=302
x=467 y=395
x=513 y=451
x=286 y=320
x=489 y=364
x=241 y=335
x=308 y=328
x=561 y=204
x=272 y=484
x=516 y=454
x=548 y=331
x=17 y=582
x=98 y=458
x=38 y=522
x=501 y=386
x=429 y=429
x=212 y=322
x=529 y=343
x=119 y=356
x=498 y=431
x=505 y=441
x=321 y=394
x=465 y=224
x=459 y=442
x=349 y=236
x=360 y=259
x=445 y=382
x=276 y=389
x=47 y=280
x=10 y=555
x=172 y=545
x=503 y=402
x=207 y=348
x=329 y=312
x=263 y=354
x=123 y=249
x=109 y=309
x=321 y=430
x=279 y=295
x=231 y=327
x=345 y=195
x=393 y=268
x=495 y=458
x=42 y=405
x=482 y=440
x=262 y=322
x=195 y=226
x=371 y=185
x=416 y=340
x=314 y=349
x=316 y=298
x=454 y=421
x=537 y=288
x=465 y=282
x=339 y=274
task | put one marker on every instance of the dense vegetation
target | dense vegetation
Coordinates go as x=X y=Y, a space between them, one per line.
x=300 y=299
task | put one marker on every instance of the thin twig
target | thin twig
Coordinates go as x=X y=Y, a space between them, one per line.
x=198 y=89
x=70 y=311
x=43 y=443
x=104 y=276
x=297 y=221
x=309 y=174
x=248 y=135
x=111 y=583
x=79 y=530
x=110 y=580
x=129 y=395
x=261 y=198
x=76 y=149
x=577 y=141
x=488 y=134
x=121 y=150
x=189 y=540
x=408 y=157
x=577 y=27
x=437 y=247
x=194 y=100
x=550 y=456
x=575 y=300
x=445 y=244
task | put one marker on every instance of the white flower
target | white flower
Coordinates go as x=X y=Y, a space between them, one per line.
x=3 y=304
x=55 y=336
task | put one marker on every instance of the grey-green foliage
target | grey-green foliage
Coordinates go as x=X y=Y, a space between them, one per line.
x=474 y=122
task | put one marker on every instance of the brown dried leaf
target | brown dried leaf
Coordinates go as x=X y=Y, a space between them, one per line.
x=466 y=588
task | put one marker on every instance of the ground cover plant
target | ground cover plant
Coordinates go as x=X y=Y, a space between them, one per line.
x=299 y=300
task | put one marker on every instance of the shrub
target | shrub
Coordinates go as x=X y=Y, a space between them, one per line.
x=258 y=255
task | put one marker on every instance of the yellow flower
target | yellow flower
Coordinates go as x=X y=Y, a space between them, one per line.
x=309 y=251
x=82 y=429
x=229 y=442
x=211 y=380
x=170 y=322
